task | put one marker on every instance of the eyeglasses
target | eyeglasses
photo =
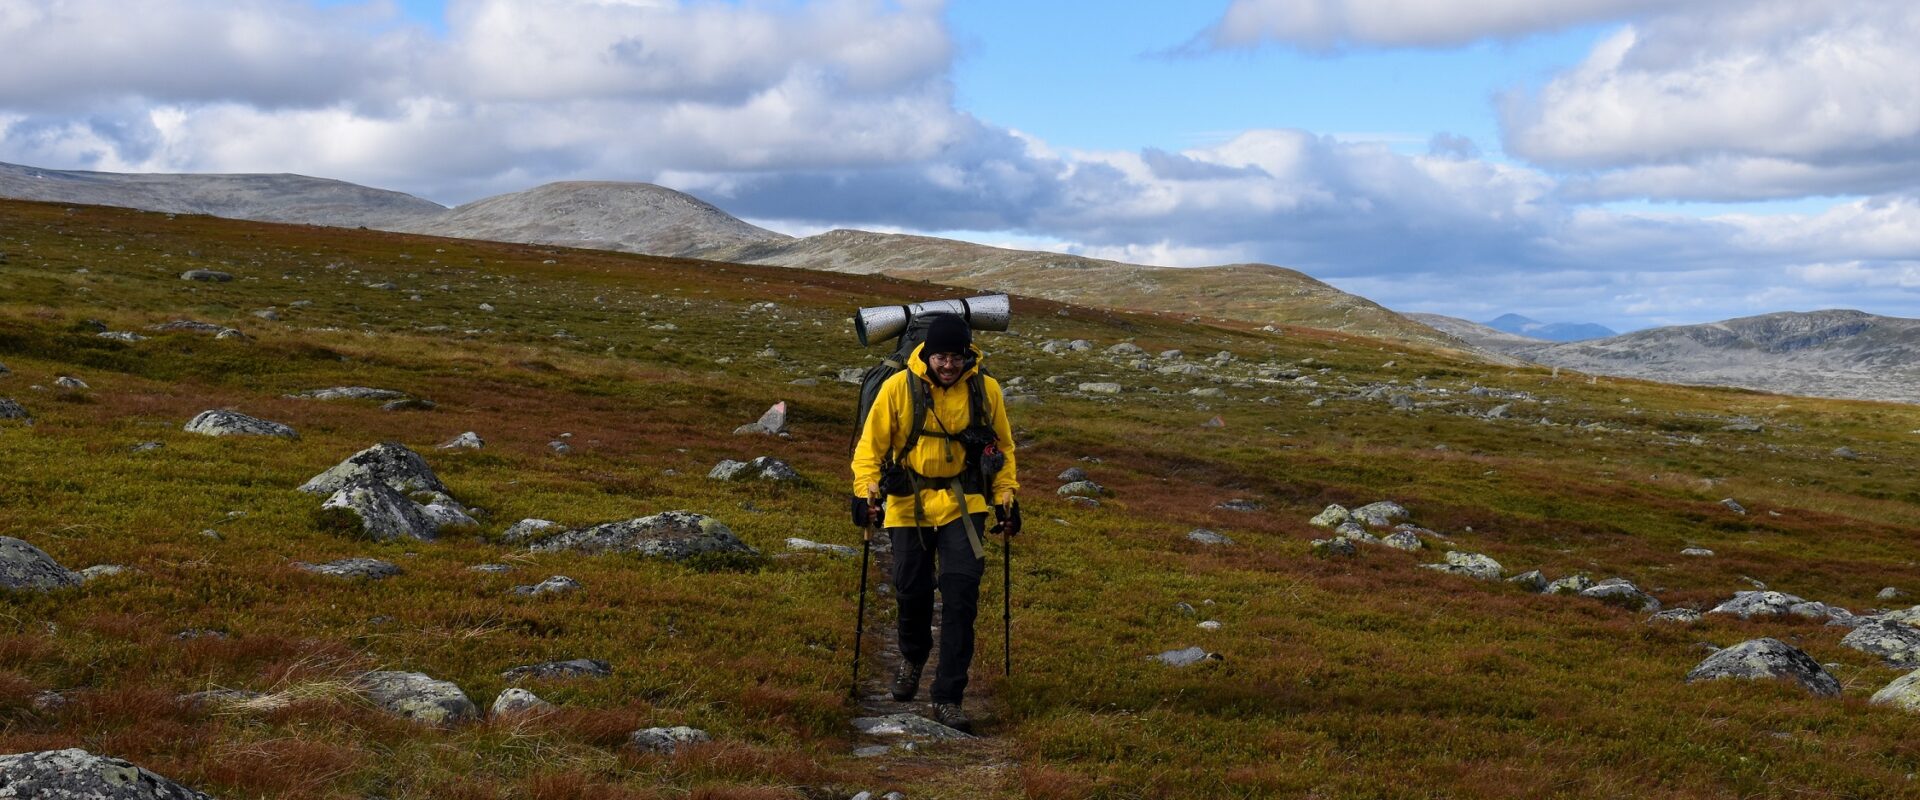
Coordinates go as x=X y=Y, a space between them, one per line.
x=950 y=358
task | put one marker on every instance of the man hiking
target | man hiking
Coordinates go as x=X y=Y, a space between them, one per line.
x=935 y=475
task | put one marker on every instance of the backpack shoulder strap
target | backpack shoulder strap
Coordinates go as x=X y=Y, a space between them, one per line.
x=917 y=413
x=977 y=400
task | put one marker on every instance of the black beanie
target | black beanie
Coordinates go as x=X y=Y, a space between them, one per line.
x=948 y=334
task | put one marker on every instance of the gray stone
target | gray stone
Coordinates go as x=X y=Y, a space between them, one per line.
x=75 y=774
x=1072 y=475
x=1734 y=506
x=1622 y=593
x=803 y=545
x=1186 y=658
x=1890 y=593
x=1209 y=625
x=667 y=740
x=1903 y=693
x=418 y=697
x=23 y=566
x=208 y=275
x=558 y=584
x=1767 y=658
x=852 y=375
x=1100 y=388
x=560 y=447
x=1683 y=616
x=1331 y=517
x=491 y=569
x=1531 y=580
x=1172 y=355
x=1746 y=605
x=1237 y=504
x=766 y=468
x=369 y=568
x=1897 y=643
x=518 y=701
x=1470 y=564
x=1182 y=369
x=1208 y=391
x=560 y=670
x=1401 y=401
x=673 y=535
x=1079 y=345
x=1403 y=540
x=1845 y=452
x=409 y=404
x=907 y=726
x=1083 y=489
x=465 y=441
x=268 y=314
x=387 y=462
x=188 y=325
x=98 y=571
x=9 y=409
x=385 y=514
x=1125 y=349
x=1697 y=552
x=1499 y=411
x=1083 y=502
x=233 y=423
x=1381 y=514
x=525 y=529
x=349 y=393
x=771 y=423
x=1572 y=584
x=121 y=336
x=1204 y=536
x=1336 y=547
x=1910 y=616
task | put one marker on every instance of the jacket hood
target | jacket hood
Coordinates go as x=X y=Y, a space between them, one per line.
x=917 y=363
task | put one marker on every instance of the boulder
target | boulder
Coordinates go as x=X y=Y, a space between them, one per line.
x=121 y=336
x=1125 y=349
x=907 y=726
x=1734 y=506
x=673 y=535
x=387 y=462
x=1767 y=658
x=23 y=566
x=372 y=569
x=802 y=545
x=207 y=275
x=384 y=513
x=75 y=774
x=1204 y=536
x=1890 y=593
x=1903 y=693
x=771 y=423
x=465 y=441
x=1100 y=388
x=9 y=409
x=1572 y=584
x=666 y=740
x=1472 y=565
x=233 y=423
x=1697 y=552
x=1071 y=475
x=98 y=571
x=1336 y=547
x=557 y=670
x=349 y=393
x=71 y=383
x=417 y=697
x=525 y=529
x=1083 y=489
x=1531 y=580
x=1187 y=657
x=764 y=468
x=1747 y=605
x=1381 y=514
x=1898 y=644
x=1622 y=593
x=518 y=701
x=558 y=584
x=1403 y=540
x=1331 y=517
x=1684 y=616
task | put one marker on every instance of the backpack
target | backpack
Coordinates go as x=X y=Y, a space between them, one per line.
x=977 y=438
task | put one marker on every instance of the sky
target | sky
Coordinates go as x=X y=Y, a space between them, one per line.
x=1629 y=162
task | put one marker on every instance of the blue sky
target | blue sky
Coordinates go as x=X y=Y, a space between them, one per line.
x=1629 y=162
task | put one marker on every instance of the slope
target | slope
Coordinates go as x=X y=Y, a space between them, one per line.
x=267 y=198
x=632 y=217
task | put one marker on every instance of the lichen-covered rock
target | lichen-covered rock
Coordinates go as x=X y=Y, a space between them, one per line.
x=465 y=441
x=558 y=584
x=518 y=701
x=443 y=512
x=1897 y=643
x=1572 y=584
x=1204 y=536
x=805 y=546
x=418 y=697
x=1083 y=489
x=1100 y=388
x=98 y=571
x=1746 y=605
x=1071 y=475
x=771 y=423
x=907 y=726
x=1331 y=517
x=75 y=774
x=1697 y=552
x=1336 y=547
x=1903 y=693
x=349 y=393
x=673 y=535
x=666 y=740
x=766 y=468
x=23 y=566
x=1403 y=540
x=387 y=462
x=208 y=275
x=219 y=422
x=1239 y=505
x=525 y=529
x=1684 y=616
x=70 y=382
x=372 y=569
x=1531 y=580
x=384 y=513
x=1186 y=658
x=9 y=409
x=1381 y=514
x=1622 y=593
x=1767 y=658
x=1473 y=565
x=556 y=670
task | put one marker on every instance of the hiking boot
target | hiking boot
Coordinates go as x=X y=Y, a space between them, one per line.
x=950 y=715
x=906 y=681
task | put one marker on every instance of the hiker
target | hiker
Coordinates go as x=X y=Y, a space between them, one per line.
x=936 y=500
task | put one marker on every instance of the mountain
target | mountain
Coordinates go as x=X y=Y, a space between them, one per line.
x=1834 y=353
x=1474 y=333
x=1550 y=331
x=264 y=198
x=603 y=215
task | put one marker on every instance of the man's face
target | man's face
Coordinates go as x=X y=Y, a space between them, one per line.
x=946 y=367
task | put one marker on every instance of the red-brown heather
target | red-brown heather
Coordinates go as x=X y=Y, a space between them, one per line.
x=1364 y=677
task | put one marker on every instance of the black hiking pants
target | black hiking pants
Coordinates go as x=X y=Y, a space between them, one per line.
x=958 y=571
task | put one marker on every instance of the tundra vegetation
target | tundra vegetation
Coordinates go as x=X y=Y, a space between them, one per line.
x=1360 y=676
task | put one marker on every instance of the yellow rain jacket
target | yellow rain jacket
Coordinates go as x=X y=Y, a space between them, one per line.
x=934 y=457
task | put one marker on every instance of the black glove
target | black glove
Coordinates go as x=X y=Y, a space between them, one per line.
x=862 y=516
x=1006 y=519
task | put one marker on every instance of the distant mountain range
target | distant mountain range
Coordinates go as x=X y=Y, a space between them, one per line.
x=1550 y=331
x=1828 y=353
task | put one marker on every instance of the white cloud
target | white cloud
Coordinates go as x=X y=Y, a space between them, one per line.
x=1338 y=24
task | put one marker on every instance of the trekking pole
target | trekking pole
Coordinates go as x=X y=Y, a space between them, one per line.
x=860 y=622
x=1006 y=602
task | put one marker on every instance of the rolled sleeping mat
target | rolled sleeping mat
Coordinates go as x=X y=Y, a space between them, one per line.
x=984 y=313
